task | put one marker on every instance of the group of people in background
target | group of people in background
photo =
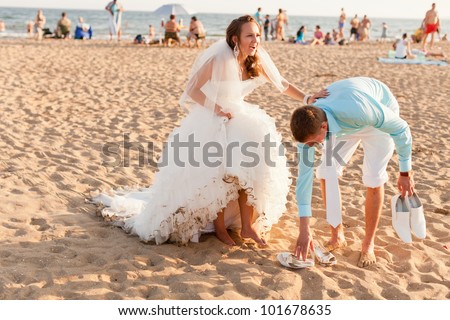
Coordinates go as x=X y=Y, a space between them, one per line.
x=430 y=26
x=82 y=30
x=63 y=28
x=319 y=37
x=273 y=29
x=195 y=36
x=360 y=31
x=196 y=32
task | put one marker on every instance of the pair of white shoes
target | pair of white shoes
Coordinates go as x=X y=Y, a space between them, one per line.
x=407 y=216
x=323 y=257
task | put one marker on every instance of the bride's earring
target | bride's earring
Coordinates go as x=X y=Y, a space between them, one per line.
x=236 y=50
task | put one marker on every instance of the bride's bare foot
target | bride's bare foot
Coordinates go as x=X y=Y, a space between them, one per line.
x=225 y=237
x=250 y=233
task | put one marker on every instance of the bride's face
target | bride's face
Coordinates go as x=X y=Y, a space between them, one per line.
x=249 y=39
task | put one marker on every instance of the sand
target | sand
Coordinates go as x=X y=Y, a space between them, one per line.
x=62 y=101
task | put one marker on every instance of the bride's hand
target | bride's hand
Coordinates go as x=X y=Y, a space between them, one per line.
x=223 y=114
x=220 y=113
x=321 y=94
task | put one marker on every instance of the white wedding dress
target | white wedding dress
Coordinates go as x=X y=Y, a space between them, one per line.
x=184 y=200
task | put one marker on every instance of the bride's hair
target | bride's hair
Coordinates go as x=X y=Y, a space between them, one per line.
x=252 y=64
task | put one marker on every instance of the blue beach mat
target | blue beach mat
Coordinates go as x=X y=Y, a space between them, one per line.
x=413 y=61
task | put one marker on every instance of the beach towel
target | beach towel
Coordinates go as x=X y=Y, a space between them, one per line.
x=413 y=61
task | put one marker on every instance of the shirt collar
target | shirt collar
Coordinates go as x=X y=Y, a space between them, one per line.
x=333 y=126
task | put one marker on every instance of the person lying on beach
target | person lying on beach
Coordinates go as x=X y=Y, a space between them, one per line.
x=357 y=110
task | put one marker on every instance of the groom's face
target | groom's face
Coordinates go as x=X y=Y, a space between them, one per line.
x=319 y=137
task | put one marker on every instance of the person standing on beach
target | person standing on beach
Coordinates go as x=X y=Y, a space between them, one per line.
x=273 y=28
x=151 y=34
x=431 y=24
x=384 y=28
x=281 y=24
x=341 y=23
x=214 y=180
x=358 y=110
x=267 y=24
x=115 y=10
x=258 y=17
x=354 y=29
x=39 y=24
x=364 y=33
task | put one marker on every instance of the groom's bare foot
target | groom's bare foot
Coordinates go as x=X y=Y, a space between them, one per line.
x=366 y=259
x=225 y=237
x=250 y=233
x=337 y=239
x=334 y=244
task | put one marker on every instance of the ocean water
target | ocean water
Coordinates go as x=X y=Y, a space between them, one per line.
x=134 y=23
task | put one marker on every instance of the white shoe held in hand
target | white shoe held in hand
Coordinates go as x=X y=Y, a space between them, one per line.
x=401 y=218
x=418 y=223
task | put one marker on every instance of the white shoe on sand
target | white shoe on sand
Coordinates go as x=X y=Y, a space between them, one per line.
x=287 y=259
x=324 y=257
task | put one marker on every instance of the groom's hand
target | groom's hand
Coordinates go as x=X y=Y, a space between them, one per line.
x=304 y=240
x=405 y=185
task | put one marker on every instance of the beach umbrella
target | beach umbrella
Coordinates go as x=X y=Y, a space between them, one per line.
x=172 y=8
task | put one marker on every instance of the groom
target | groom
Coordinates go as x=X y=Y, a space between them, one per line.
x=357 y=110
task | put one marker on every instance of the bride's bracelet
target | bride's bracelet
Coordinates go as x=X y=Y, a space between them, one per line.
x=306 y=98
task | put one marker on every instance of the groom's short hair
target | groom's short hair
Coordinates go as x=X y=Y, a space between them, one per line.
x=306 y=121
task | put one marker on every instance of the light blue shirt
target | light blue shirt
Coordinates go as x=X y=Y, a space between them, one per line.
x=258 y=17
x=352 y=105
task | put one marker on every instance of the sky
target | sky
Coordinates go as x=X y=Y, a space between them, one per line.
x=414 y=9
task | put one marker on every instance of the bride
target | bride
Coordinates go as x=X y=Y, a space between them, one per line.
x=224 y=166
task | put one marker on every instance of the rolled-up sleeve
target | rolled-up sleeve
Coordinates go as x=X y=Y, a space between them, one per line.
x=303 y=189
